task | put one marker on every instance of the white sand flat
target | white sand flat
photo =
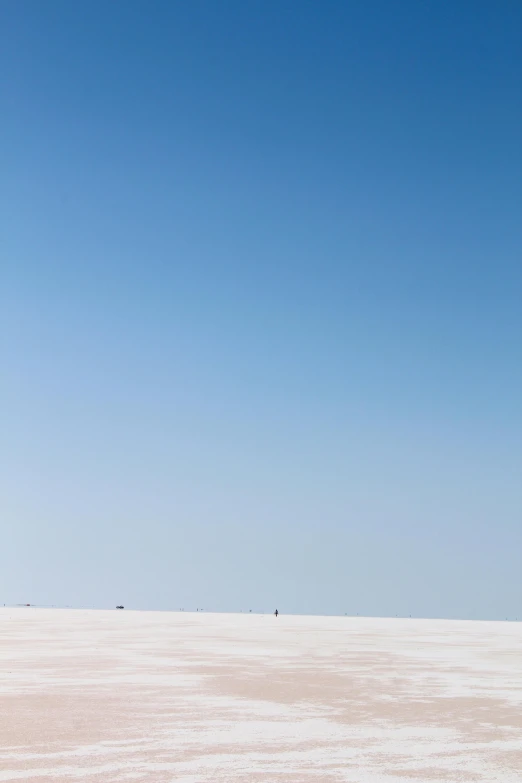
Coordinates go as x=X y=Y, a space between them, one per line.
x=189 y=698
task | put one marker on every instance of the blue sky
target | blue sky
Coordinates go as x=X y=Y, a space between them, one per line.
x=260 y=306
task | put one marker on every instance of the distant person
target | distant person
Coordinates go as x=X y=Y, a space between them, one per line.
x=276 y=612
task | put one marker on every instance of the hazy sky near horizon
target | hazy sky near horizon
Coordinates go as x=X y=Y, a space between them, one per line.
x=260 y=305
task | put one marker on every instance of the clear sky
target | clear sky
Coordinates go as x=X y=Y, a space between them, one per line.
x=260 y=305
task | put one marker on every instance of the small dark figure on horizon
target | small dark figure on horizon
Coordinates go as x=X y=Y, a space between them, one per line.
x=276 y=612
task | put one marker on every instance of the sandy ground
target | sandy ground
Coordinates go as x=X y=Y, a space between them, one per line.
x=152 y=696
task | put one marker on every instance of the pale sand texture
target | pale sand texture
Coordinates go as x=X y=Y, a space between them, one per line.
x=152 y=696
